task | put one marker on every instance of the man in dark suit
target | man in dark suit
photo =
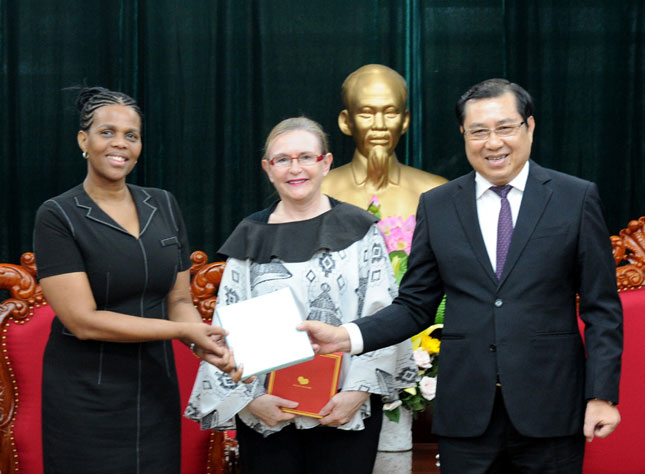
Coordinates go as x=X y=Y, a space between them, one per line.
x=515 y=392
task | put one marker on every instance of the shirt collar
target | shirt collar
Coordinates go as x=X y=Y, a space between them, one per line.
x=519 y=182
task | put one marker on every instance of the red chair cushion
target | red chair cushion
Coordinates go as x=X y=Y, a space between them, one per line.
x=194 y=441
x=25 y=348
x=624 y=450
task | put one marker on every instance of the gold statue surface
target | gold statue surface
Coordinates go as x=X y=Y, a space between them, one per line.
x=376 y=115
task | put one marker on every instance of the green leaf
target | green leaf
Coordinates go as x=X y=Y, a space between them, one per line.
x=434 y=370
x=374 y=209
x=441 y=311
x=393 y=415
x=399 y=260
x=398 y=254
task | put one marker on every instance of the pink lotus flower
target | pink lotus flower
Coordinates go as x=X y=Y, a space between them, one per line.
x=397 y=232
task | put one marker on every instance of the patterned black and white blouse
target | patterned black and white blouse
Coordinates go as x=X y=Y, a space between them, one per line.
x=337 y=266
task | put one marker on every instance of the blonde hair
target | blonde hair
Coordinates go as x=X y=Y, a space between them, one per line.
x=297 y=123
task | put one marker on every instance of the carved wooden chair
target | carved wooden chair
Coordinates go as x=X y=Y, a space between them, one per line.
x=25 y=319
x=622 y=452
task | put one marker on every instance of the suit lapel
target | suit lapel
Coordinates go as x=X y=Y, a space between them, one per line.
x=534 y=200
x=466 y=207
x=145 y=210
x=95 y=213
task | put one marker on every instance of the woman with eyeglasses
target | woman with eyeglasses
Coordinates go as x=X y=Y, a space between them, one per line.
x=334 y=259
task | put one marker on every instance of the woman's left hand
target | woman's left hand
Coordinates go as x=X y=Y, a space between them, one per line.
x=342 y=407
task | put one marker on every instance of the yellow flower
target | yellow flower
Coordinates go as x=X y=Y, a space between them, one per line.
x=417 y=340
x=411 y=390
x=430 y=344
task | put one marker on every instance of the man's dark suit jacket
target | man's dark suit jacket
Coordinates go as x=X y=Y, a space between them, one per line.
x=521 y=329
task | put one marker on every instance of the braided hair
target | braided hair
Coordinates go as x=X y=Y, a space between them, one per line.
x=90 y=99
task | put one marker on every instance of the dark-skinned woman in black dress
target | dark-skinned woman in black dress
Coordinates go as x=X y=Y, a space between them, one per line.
x=113 y=262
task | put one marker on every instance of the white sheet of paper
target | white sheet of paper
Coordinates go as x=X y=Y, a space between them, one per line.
x=262 y=332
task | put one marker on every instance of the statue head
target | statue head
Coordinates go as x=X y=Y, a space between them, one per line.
x=375 y=114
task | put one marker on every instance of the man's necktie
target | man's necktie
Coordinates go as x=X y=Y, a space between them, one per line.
x=504 y=227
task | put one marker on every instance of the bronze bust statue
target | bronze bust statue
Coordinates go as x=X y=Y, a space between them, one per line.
x=376 y=115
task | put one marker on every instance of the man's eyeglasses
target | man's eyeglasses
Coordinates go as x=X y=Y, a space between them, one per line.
x=481 y=134
x=284 y=161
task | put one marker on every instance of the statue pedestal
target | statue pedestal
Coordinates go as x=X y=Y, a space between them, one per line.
x=396 y=436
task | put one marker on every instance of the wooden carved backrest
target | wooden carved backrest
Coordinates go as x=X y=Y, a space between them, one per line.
x=26 y=303
x=204 y=283
x=629 y=254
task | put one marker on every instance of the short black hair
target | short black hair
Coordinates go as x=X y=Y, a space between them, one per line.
x=495 y=88
x=90 y=99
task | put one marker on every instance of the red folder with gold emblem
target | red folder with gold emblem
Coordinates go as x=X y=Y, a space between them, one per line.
x=311 y=383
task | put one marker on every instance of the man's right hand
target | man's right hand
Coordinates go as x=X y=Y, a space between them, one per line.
x=325 y=338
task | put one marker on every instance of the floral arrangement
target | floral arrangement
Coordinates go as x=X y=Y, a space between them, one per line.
x=398 y=237
x=426 y=346
x=398 y=240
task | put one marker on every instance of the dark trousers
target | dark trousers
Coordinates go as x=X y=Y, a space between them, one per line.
x=502 y=450
x=320 y=450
